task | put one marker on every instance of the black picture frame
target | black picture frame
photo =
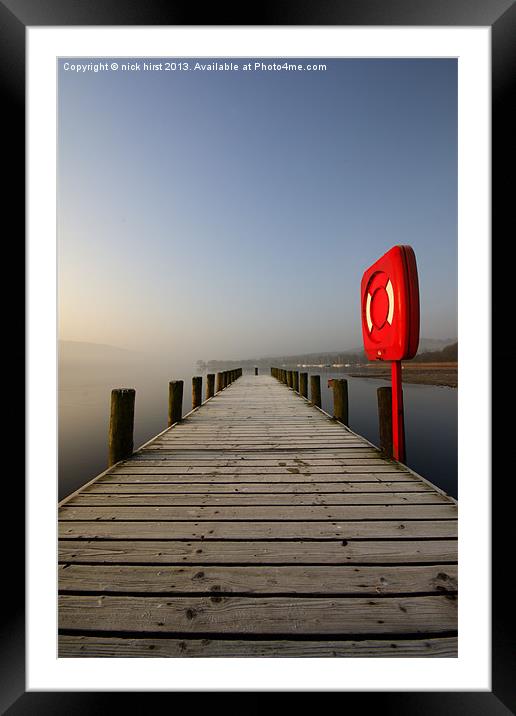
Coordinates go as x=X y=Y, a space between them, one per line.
x=500 y=15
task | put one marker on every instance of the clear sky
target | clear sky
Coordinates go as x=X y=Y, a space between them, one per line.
x=231 y=214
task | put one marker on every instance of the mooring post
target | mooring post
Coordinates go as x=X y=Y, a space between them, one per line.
x=340 y=400
x=210 y=385
x=121 y=424
x=315 y=390
x=175 y=401
x=220 y=382
x=289 y=378
x=196 y=391
x=384 y=396
x=295 y=381
x=255 y=370
x=303 y=384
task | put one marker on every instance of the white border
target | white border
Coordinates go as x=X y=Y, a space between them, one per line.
x=471 y=670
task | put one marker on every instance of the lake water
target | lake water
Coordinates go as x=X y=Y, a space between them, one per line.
x=430 y=423
x=84 y=398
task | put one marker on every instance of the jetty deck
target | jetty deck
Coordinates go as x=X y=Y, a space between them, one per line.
x=258 y=526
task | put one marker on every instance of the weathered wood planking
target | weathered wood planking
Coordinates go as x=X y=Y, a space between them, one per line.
x=258 y=580
x=247 y=500
x=248 y=551
x=120 y=647
x=265 y=615
x=254 y=488
x=255 y=520
x=372 y=529
x=258 y=512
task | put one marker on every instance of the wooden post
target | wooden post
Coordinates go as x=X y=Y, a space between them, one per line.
x=220 y=382
x=175 y=402
x=121 y=424
x=210 y=385
x=315 y=390
x=255 y=370
x=295 y=380
x=384 y=396
x=340 y=400
x=289 y=378
x=303 y=384
x=196 y=391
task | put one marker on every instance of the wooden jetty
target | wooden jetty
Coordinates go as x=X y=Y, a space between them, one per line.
x=258 y=526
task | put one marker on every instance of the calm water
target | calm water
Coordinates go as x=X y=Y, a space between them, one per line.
x=84 y=397
x=430 y=424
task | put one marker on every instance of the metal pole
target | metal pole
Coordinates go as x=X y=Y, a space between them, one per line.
x=398 y=425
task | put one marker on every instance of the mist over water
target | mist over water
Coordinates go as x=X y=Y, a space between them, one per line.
x=85 y=385
x=88 y=373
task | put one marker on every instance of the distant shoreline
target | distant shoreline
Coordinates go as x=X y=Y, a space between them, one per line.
x=445 y=374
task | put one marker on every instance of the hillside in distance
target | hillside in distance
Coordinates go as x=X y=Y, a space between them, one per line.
x=449 y=354
x=430 y=349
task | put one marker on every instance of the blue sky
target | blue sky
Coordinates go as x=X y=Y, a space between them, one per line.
x=232 y=214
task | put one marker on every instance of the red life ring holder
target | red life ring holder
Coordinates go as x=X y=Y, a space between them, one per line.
x=390 y=306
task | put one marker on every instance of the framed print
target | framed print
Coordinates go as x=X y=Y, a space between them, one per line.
x=171 y=199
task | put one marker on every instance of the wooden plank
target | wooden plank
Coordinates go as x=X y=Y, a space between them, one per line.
x=282 y=499
x=347 y=469
x=323 y=478
x=303 y=512
x=119 y=647
x=222 y=458
x=257 y=488
x=259 y=580
x=381 y=529
x=267 y=615
x=253 y=552
x=234 y=469
x=216 y=458
x=264 y=444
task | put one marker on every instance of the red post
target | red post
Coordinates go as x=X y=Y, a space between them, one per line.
x=398 y=425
